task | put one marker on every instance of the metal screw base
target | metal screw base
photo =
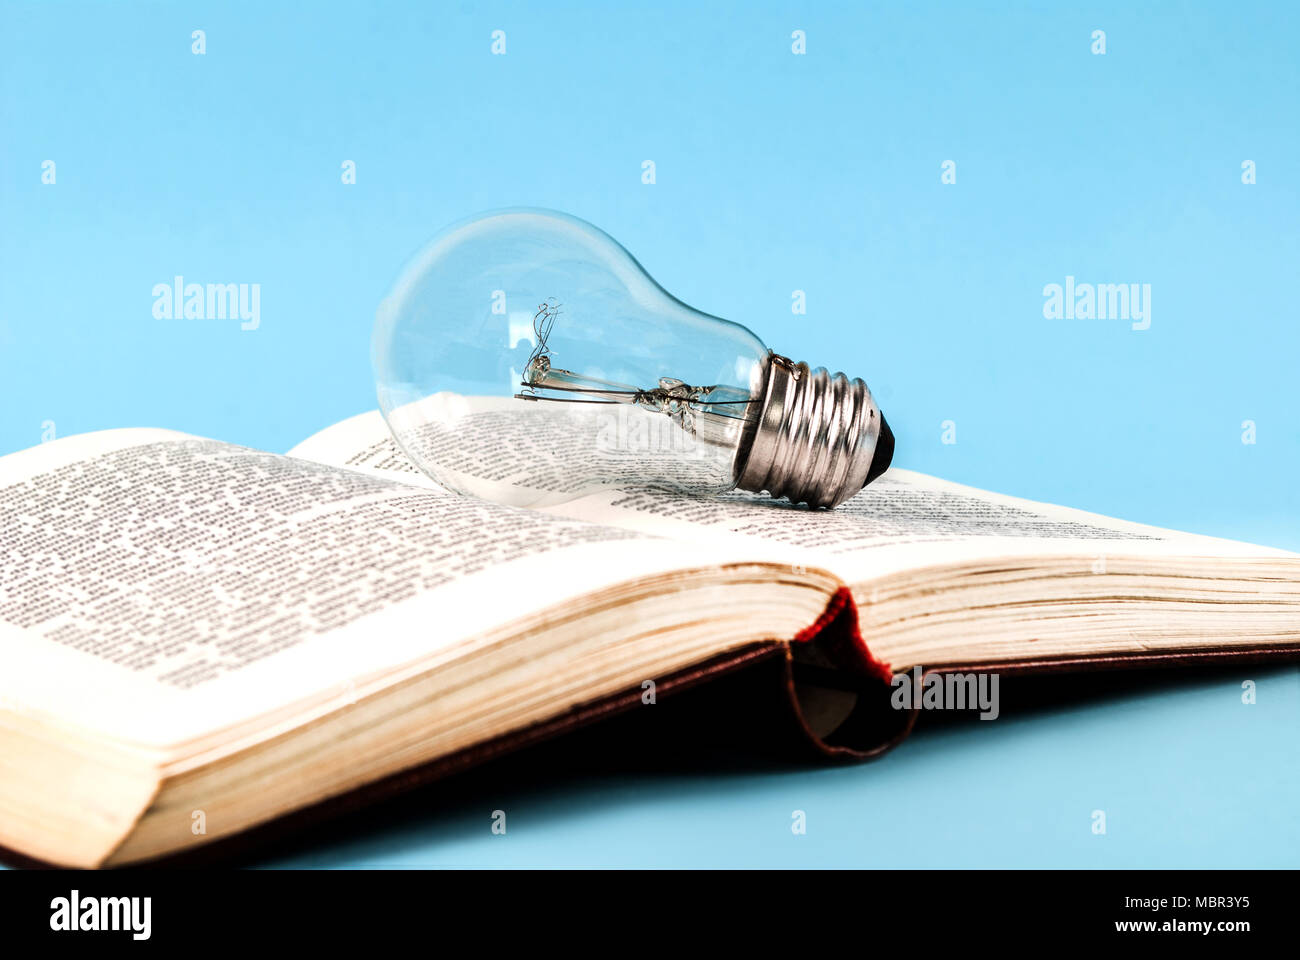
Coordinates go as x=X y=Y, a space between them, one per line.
x=817 y=437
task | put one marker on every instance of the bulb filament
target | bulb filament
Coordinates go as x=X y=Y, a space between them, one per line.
x=675 y=399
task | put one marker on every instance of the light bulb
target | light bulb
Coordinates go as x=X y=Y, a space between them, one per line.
x=525 y=357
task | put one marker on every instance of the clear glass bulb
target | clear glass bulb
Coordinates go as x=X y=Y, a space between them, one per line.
x=525 y=357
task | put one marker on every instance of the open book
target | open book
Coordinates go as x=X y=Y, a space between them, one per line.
x=198 y=638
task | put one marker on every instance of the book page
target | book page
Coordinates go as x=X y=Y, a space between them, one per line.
x=904 y=520
x=363 y=443
x=157 y=586
x=525 y=453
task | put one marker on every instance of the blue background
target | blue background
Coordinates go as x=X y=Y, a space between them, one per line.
x=774 y=173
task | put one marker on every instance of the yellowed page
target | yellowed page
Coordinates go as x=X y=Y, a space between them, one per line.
x=158 y=587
